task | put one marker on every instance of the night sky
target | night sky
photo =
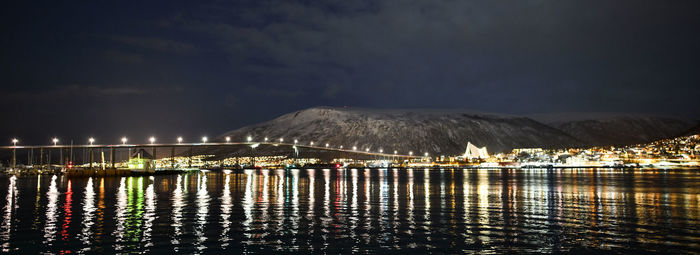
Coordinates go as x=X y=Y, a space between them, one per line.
x=168 y=68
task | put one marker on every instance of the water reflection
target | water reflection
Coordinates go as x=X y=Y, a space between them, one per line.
x=355 y=210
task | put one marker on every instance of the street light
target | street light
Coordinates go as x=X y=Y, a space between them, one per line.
x=410 y=153
x=312 y=143
x=250 y=138
x=179 y=139
x=296 y=141
x=55 y=141
x=341 y=147
x=265 y=139
x=395 y=152
x=204 y=139
x=281 y=139
x=426 y=154
x=152 y=139
x=354 y=148
x=326 y=145
x=367 y=150
x=14 y=141
x=228 y=139
x=91 y=140
x=381 y=150
x=124 y=140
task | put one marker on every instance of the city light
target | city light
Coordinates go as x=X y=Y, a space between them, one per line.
x=381 y=150
x=341 y=147
x=367 y=150
x=152 y=139
x=124 y=140
x=327 y=145
x=55 y=141
x=354 y=148
x=204 y=139
x=249 y=139
x=426 y=154
x=179 y=139
x=281 y=140
x=296 y=141
x=228 y=139
x=91 y=140
x=395 y=152
x=14 y=141
x=410 y=153
x=312 y=143
x=266 y=139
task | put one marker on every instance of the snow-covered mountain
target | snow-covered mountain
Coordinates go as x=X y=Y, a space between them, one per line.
x=435 y=131
x=616 y=128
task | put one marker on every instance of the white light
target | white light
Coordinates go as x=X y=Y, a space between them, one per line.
x=265 y=139
x=341 y=147
x=410 y=153
x=179 y=139
x=426 y=154
x=326 y=145
x=312 y=143
x=381 y=150
x=296 y=141
x=91 y=140
x=152 y=139
x=54 y=140
x=250 y=138
x=395 y=152
x=367 y=150
x=354 y=148
x=228 y=139
x=204 y=139
x=124 y=140
x=281 y=140
x=14 y=141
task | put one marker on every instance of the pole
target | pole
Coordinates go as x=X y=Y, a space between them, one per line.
x=190 y=157
x=14 y=159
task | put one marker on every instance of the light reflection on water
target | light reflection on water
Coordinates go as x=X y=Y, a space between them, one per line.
x=355 y=210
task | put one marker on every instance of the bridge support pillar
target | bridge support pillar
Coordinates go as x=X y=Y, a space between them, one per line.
x=172 y=157
x=91 y=157
x=111 y=157
x=41 y=158
x=14 y=159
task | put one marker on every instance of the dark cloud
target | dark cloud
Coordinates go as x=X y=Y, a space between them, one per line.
x=240 y=62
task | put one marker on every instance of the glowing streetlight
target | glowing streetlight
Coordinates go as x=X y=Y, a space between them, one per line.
x=250 y=138
x=265 y=139
x=281 y=139
x=312 y=143
x=354 y=148
x=55 y=141
x=381 y=150
x=124 y=140
x=426 y=154
x=327 y=145
x=204 y=139
x=367 y=150
x=410 y=153
x=14 y=141
x=395 y=152
x=341 y=147
x=228 y=139
x=296 y=141
x=179 y=139
x=152 y=139
x=91 y=140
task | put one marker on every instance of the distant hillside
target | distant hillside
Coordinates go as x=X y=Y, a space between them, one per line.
x=434 y=131
x=693 y=131
x=616 y=128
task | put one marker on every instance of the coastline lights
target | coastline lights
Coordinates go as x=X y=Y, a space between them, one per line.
x=179 y=139
x=152 y=139
x=204 y=139
x=55 y=141
x=14 y=141
x=124 y=140
x=91 y=140
x=228 y=139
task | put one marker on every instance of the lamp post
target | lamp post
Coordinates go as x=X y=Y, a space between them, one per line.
x=124 y=140
x=228 y=139
x=179 y=140
x=55 y=141
x=14 y=153
x=91 y=140
x=152 y=139
x=204 y=139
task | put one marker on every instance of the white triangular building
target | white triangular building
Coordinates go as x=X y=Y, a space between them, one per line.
x=475 y=152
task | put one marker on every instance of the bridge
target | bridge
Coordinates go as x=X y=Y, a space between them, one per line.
x=113 y=148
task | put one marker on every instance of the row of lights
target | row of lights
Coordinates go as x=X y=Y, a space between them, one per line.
x=205 y=139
